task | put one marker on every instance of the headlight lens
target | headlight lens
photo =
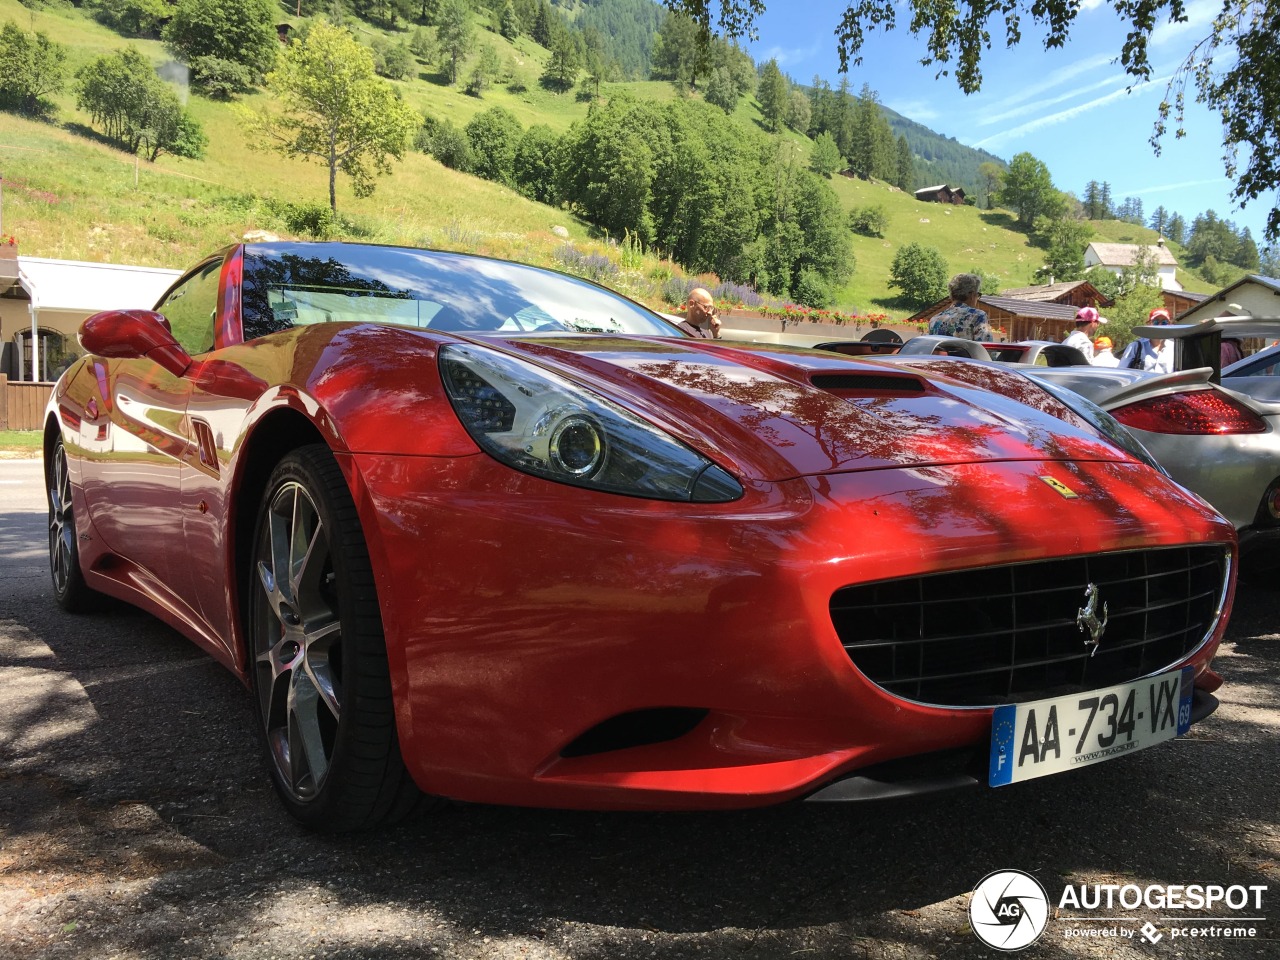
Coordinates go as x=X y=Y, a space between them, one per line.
x=540 y=423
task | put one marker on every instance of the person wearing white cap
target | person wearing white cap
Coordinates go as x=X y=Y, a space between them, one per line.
x=1087 y=324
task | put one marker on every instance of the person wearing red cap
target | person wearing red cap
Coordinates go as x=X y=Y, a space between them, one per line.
x=1153 y=355
x=1087 y=324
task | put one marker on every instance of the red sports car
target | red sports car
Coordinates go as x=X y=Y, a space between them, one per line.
x=474 y=529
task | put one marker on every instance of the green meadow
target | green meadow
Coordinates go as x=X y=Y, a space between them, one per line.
x=68 y=193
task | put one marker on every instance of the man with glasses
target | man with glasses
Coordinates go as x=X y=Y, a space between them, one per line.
x=700 y=317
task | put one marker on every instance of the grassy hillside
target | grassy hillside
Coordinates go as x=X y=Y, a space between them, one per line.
x=69 y=194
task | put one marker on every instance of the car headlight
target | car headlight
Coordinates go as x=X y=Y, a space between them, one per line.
x=540 y=423
x=1100 y=420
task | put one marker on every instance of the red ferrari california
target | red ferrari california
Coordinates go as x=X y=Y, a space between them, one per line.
x=473 y=529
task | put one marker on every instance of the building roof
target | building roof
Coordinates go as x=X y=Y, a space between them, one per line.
x=1037 y=309
x=941 y=186
x=1126 y=254
x=88 y=287
x=1047 y=291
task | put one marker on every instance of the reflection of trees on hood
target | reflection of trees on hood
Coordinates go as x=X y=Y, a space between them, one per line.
x=866 y=422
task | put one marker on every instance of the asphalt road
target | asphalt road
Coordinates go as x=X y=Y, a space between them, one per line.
x=136 y=821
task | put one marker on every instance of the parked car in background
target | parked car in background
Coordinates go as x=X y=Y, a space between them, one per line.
x=472 y=529
x=1214 y=440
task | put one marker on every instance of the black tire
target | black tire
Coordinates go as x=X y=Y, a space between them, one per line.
x=69 y=588
x=322 y=688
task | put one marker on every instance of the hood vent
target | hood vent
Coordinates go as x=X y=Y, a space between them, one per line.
x=868 y=383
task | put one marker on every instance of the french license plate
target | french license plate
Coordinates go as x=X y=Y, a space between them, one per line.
x=1030 y=740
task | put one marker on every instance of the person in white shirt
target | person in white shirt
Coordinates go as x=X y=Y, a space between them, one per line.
x=1087 y=324
x=1153 y=355
x=1102 y=355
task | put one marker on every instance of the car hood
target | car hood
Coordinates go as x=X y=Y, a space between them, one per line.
x=777 y=413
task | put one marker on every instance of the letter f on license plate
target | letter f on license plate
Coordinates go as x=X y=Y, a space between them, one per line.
x=1031 y=740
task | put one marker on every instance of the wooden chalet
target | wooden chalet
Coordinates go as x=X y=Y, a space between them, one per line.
x=1018 y=319
x=941 y=194
x=1043 y=312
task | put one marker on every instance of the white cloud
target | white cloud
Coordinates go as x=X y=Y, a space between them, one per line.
x=1064 y=115
x=921 y=111
x=787 y=55
x=1171 y=187
x=1026 y=108
x=1200 y=14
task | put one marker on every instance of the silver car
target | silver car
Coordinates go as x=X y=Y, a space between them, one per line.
x=1218 y=441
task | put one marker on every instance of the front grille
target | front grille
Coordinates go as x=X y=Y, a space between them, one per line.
x=1008 y=634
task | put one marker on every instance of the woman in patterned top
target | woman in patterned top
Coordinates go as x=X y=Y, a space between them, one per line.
x=963 y=318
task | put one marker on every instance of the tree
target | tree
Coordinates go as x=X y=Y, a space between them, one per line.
x=905 y=168
x=534 y=165
x=1245 y=92
x=869 y=221
x=561 y=72
x=494 y=136
x=32 y=68
x=1028 y=189
x=454 y=33
x=392 y=60
x=871 y=150
x=825 y=158
x=509 y=22
x=132 y=18
x=678 y=53
x=798 y=111
x=486 y=70
x=1065 y=241
x=1159 y=221
x=336 y=110
x=774 y=95
x=122 y=93
x=992 y=175
x=1177 y=229
x=239 y=31
x=920 y=273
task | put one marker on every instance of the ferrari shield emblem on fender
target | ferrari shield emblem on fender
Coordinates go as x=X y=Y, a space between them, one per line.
x=1061 y=487
x=1087 y=618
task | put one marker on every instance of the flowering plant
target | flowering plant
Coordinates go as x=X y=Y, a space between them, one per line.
x=8 y=240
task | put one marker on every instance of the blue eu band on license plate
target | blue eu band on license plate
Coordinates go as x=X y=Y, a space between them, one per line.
x=1030 y=740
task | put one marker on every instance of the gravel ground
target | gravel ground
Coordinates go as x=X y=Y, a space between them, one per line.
x=136 y=821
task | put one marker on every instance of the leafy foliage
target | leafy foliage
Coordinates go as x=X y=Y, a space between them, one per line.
x=122 y=93
x=32 y=69
x=825 y=158
x=238 y=31
x=920 y=273
x=132 y=18
x=1245 y=93
x=494 y=136
x=336 y=110
x=1028 y=190
x=1065 y=242
x=869 y=221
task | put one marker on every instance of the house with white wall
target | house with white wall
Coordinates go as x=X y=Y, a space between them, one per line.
x=1115 y=257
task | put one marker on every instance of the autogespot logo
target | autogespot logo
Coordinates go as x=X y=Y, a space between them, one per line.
x=1008 y=910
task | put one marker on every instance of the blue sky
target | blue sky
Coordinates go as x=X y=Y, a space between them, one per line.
x=1070 y=107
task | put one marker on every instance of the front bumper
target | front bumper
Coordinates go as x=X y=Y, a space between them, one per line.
x=522 y=616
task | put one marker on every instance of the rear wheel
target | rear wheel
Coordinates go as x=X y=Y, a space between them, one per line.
x=69 y=588
x=319 y=662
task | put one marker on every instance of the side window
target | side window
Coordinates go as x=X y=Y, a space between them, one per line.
x=192 y=309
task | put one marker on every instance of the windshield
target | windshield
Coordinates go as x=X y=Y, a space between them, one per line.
x=297 y=284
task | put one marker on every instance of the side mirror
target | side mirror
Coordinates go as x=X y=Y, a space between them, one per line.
x=133 y=335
